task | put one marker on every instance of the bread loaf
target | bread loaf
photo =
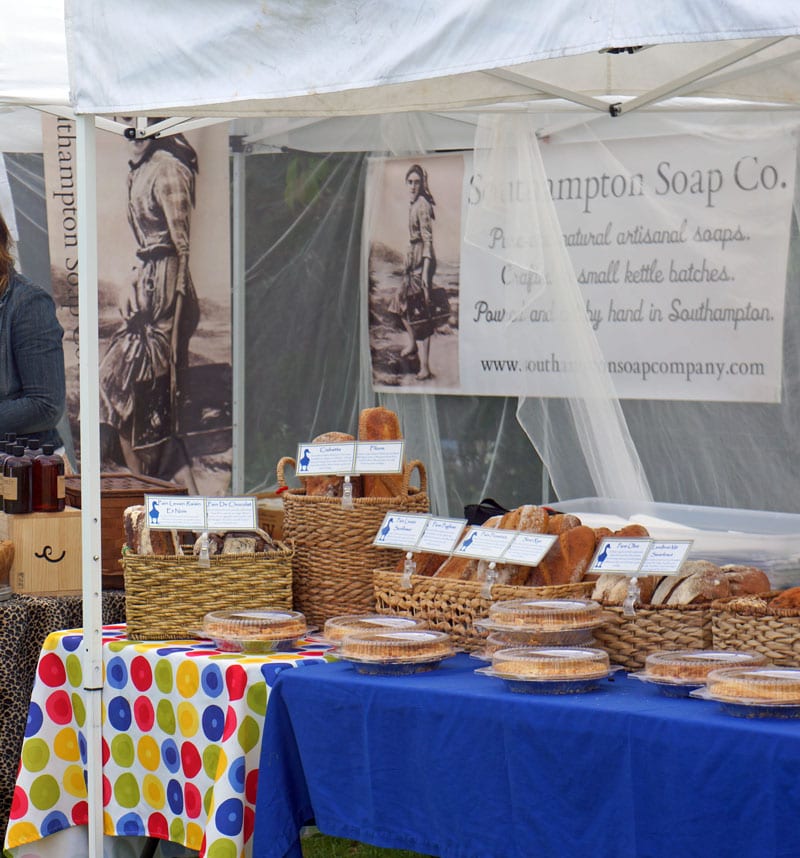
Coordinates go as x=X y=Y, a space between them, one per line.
x=612 y=589
x=329 y=485
x=426 y=563
x=788 y=599
x=380 y=424
x=559 y=522
x=143 y=540
x=745 y=580
x=567 y=560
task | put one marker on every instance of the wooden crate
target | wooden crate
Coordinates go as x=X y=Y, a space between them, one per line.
x=47 y=551
x=118 y=491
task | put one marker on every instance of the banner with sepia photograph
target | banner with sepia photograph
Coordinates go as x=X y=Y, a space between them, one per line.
x=164 y=299
x=679 y=246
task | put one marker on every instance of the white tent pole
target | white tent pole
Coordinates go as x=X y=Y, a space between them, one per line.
x=90 y=473
x=535 y=85
x=238 y=305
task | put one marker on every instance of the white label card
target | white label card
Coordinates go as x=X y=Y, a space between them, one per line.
x=399 y=530
x=486 y=543
x=175 y=512
x=441 y=535
x=231 y=514
x=315 y=459
x=379 y=457
x=621 y=555
x=528 y=549
x=666 y=558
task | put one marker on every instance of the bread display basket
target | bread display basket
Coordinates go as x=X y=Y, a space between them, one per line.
x=751 y=623
x=334 y=555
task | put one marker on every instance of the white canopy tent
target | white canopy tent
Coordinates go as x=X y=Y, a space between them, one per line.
x=292 y=64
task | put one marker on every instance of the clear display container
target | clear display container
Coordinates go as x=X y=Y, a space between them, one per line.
x=337 y=628
x=396 y=651
x=676 y=673
x=507 y=638
x=756 y=686
x=254 y=630
x=545 y=614
x=549 y=670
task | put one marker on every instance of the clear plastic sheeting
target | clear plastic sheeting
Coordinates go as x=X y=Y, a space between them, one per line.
x=589 y=445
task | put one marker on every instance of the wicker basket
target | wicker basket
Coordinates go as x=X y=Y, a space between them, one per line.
x=334 y=555
x=167 y=597
x=630 y=639
x=742 y=624
x=453 y=606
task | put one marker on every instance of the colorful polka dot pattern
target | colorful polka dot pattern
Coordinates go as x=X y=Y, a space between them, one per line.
x=182 y=726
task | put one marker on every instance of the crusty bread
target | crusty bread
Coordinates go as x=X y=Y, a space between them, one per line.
x=143 y=540
x=611 y=589
x=745 y=580
x=567 y=560
x=788 y=599
x=326 y=485
x=426 y=563
x=699 y=581
x=458 y=569
x=380 y=424
x=559 y=522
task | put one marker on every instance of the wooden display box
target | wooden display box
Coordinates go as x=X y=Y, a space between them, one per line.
x=117 y=492
x=270 y=513
x=47 y=551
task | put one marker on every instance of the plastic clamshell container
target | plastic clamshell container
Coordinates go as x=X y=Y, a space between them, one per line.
x=768 y=540
x=396 y=652
x=337 y=628
x=254 y=630
x=507 y=638
x=756 y=686
x=550 y=663
x=545 y=614
x=676 y=673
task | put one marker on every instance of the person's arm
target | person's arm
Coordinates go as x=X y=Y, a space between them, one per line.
x=36 y=343
x=426 y=234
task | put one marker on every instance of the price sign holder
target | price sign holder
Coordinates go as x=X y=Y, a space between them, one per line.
x=637 y=557
x=349 y=458
x=418 y=532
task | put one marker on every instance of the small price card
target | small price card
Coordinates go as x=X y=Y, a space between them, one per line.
x=316 y=459
x=528 y=549
x=400 y=530
x=486 y=543
x=175 y=512
x=666 y=558
x=379 y=457
x=441 y=535
x=617 y=554
x=231 y=514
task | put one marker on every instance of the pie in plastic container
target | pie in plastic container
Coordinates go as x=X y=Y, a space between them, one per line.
x=395 y=652
x=507 y=638
x=254 y=630
x=337 y=628
x=755 y=692
x=544 y=614
x=676 y=673
x=549 y=670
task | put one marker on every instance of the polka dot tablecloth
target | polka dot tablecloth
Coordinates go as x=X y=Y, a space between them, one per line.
x=182 y=726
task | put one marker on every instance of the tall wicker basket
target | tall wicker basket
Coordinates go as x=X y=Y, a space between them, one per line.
x=334 y=555
x=167 y=597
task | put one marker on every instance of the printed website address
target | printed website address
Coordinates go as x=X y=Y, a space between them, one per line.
x=644 y=369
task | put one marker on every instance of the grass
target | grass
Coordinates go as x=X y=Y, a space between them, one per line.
x=317 y=845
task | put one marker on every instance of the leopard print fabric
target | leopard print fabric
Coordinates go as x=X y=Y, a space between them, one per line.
x=25 y=622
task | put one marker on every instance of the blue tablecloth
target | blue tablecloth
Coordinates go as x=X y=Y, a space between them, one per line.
x=453 y=764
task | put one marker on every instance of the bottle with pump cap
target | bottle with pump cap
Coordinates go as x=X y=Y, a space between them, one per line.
x=49 y=490
x=18 y=482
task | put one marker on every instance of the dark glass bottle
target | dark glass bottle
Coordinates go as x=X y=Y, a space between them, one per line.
x=3 y=456
x=32 y=448
x=49 y=491
x=18 y=482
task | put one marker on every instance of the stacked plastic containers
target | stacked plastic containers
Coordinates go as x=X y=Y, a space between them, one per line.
x=540 y=622
x=676 y=673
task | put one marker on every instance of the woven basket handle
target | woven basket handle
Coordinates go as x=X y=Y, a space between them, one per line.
x=282 y=463
x=411 y=466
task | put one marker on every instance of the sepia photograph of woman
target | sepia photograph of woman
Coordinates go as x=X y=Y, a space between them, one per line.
x=140 y=374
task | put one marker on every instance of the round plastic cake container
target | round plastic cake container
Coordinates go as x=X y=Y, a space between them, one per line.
x=254 y=630
x=508 y=638
x=549 y=670
x=396 y=652
x=338 y=628
x=545 y=614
